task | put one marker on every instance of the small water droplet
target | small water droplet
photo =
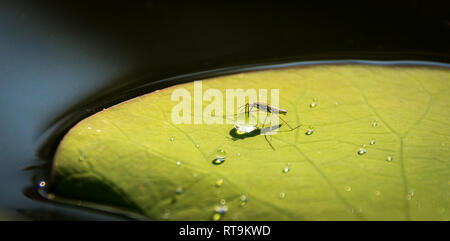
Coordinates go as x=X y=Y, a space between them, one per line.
x=220 y=157
x=372 y=142
x=178 y=163
x=219 y=183
x=89 y=128
x=286 y=169
x=313 y=104
x=309 y=131
x=377 y=193
x=410 y=195
x=42 y=184
x=179 y=190
x=165 y=215
x=197 y=145
x=218 y=161
x=223 y=201
x=348 y=188
x=389 y=158
x=221 y=208
x=172 y=139
x=362 y=151
x=238 y=154
x=98 y=130
x=282 y=195
x=51 y=196
x=216 y=217
x=243 y=199
x=375 y=123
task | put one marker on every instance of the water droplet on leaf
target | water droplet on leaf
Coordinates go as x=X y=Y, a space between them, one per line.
x=245 y=123
x=243 y=199
x=179 y=190
x=221 y=209
x=362 y=151
x=216 y=217
x=220 y=157
x=309 y=132
x=165 y=215
x=219 y=183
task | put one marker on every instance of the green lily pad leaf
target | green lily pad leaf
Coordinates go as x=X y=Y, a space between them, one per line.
x=373 y=145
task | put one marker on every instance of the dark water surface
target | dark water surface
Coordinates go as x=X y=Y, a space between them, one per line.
x=59 y=60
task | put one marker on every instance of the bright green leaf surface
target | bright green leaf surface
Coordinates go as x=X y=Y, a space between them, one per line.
x=123 y=156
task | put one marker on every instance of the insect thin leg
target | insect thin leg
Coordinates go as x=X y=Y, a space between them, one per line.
x=271 y=118
x=290 y=127
x=265 y=136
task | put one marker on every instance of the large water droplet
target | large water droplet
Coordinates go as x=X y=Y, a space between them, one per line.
x=42 y=184
x=245 y=123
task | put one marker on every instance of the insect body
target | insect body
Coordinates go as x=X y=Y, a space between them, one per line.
x=265 y=107
x=269 y=109
x=273 y=111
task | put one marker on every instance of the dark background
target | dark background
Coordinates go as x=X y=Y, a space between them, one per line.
x=58 y=57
